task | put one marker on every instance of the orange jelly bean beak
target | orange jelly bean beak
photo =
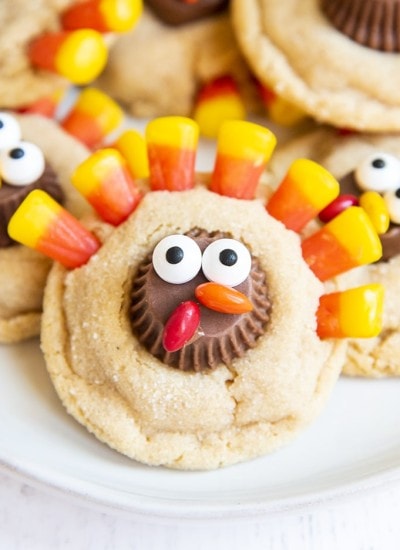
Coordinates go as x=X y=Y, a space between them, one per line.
x=347 y=241
x=243 y=149
x=223 y=299
x=93 y=117
x=79 y=56
x=355 y=313
x=104 y=180
x=306 y=189
x=44 y=225
x=103 y=15
x=171 y=147
x=217 y=101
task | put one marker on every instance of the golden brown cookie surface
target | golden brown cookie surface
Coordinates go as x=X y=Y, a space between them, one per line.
x=293 y=47
x=158 y=414
x=22 y=271
x=341 y=155
x=157 y=69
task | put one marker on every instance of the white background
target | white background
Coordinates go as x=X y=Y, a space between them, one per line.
x=33 y=519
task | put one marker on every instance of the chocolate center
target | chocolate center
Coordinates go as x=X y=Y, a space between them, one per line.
x=371 y=23
x=177 y=12
x=220 y=337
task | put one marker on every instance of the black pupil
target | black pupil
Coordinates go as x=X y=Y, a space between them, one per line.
x=1 y=124
x=17 y=153
x=228 y=257
x=174 y=255
x=397 y=193
x=378 y=163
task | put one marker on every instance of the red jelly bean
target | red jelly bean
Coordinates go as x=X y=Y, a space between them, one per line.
x=181 y=326
x=337 y=206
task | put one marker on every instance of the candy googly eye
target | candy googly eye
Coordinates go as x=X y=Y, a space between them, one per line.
x=392 y=200
x=10 y=131
x=378 y=172
x=227 y=262
x=177 y=259
x=21 y=164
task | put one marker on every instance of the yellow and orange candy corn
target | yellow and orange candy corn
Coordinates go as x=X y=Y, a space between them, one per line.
x=132 y=146
x=347 y=241
x=46 y=106
x=44 y=225
x=171 y=147
x=93 y=117
x=104 y=180
x=243 y=149
x=355 y=313
x=217 y=101
x=280 y=110
x=79 y=56
x=103 y=15
x=375 y=206
x=306 y=189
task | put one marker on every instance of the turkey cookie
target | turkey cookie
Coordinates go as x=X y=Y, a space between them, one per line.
x=172 y=63
x=195 y=333
x=363 y=163
x=43 y=159
x=336 y=60
x=45 y=45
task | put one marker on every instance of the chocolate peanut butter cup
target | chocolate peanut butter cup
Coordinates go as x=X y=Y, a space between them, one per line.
x=220 y=337
x=371 y=23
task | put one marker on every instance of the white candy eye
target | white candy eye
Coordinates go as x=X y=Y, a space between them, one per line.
x=10 y=132
x=378 y=172
x=177 y=259
x=227 y=262
x=392 y=200
x=22 y=164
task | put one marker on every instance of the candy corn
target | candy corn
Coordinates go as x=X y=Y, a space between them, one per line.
x=305 y=190
x=375 y=206
x=93 y=117
x=132 y=146
x=223 y=298
x=44 y=225
x=102 y=15
x=46 y=106
x=347 y=241
x=104 y=180
x=79 y=56
x=243 y=149
x=171 y=146
x=217 y=101
x=355 y=313
x=278 y=109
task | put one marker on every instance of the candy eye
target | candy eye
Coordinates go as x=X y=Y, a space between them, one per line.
x=227 y=262
x=10 y=132
x=378 y=172
x=22 y=164
x=177 y=259
x=392 y=200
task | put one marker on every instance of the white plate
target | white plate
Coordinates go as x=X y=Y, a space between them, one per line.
x=353 y=446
